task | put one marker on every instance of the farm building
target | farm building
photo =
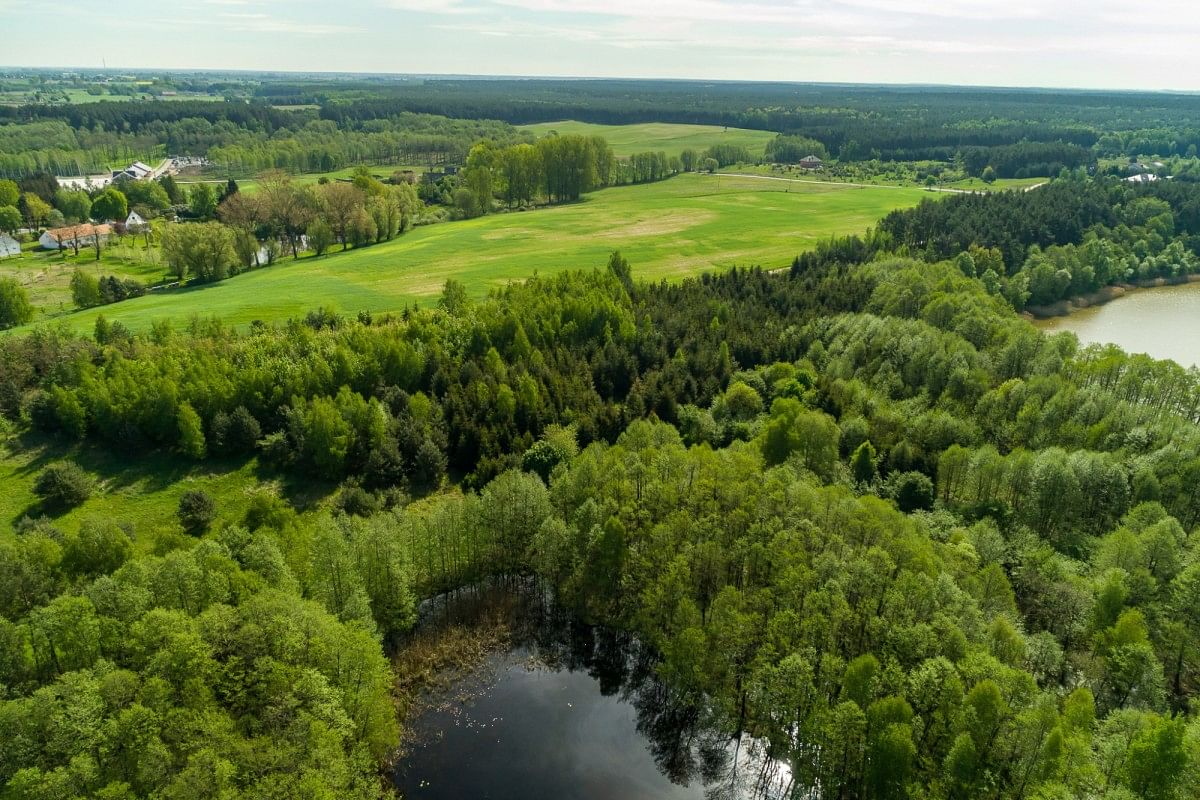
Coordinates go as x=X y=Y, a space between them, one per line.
x=810 y=162
x=134 y=221
x=9 y=246
x=137 y=171
x=73 y=236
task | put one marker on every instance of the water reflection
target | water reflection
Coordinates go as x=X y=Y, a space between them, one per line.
x=570 y=710
x=1163 y=322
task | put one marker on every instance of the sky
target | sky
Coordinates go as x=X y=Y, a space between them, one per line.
x=1070 y=43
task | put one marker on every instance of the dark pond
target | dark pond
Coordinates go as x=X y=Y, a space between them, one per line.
x=568 y=710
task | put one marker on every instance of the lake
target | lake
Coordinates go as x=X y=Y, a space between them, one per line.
x=568 y=710
x=1163 y=322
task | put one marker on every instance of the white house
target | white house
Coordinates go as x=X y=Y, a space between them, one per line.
x=73 y=236
x=1145 y=177
x=9 y=246
x=134 y=221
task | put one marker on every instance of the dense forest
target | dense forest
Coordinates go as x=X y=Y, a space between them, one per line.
x=323 y=124
x=1070 y=237
x=875 y=518
x=859 y=509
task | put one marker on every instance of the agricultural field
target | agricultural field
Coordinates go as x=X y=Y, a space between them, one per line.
x=898 y=174
x=669 y=138
x=669 y=230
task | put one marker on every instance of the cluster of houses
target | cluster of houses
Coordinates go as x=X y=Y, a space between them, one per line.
x=71 y=237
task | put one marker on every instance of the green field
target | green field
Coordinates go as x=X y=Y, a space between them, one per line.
x=144 y=491
x=655 y=136
x=684 y=226
x=977 y=185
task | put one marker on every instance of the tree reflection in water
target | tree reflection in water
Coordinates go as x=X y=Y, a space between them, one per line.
x=690 y=743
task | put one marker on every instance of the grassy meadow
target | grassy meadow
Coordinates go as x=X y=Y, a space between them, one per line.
x=143 y=491
x=669 y=230
x=670 y=138
x=46 y=275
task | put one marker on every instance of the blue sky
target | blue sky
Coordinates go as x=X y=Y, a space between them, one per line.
x=1093 y=43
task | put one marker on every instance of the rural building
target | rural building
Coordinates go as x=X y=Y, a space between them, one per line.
x=810 y=162
x=137 y=171
x=9 y=246
x=134 y=220
x=1145 y=177
x=73 y=235
x=433 y=177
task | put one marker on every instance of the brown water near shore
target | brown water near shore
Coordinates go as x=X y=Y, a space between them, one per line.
x=1163 y=322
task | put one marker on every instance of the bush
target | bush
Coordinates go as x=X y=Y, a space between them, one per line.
x=912 y=491
x=234 y=433
x=63 y=485
x=357 y=502
x=14 y=304
x=197 y=510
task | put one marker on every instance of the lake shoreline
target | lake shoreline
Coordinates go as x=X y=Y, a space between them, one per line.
x=1064 y=308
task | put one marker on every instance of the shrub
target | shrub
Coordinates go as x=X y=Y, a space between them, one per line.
x=197 y=510
x=912 y=491
x=357 y=502
x=63 y=485
x=14 y=304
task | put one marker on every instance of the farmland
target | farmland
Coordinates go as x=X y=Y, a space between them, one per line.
x=669 y=230
x=671 y=139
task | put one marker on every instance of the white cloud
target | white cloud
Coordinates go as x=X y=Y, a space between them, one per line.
x=433 y=6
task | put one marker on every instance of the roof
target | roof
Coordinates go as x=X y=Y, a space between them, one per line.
x=78 y=231
x=810 y=157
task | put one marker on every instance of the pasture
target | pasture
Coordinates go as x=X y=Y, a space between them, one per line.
x=670 y=138
x=669 y=230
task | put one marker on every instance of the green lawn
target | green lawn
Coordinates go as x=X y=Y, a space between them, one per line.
x=668 y=230
x=655 y=136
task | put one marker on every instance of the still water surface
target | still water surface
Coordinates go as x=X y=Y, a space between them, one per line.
x=1163 y=322
x=572 y=711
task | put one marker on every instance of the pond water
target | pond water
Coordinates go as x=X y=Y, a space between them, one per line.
x=567 y=710
x=1163 y=322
